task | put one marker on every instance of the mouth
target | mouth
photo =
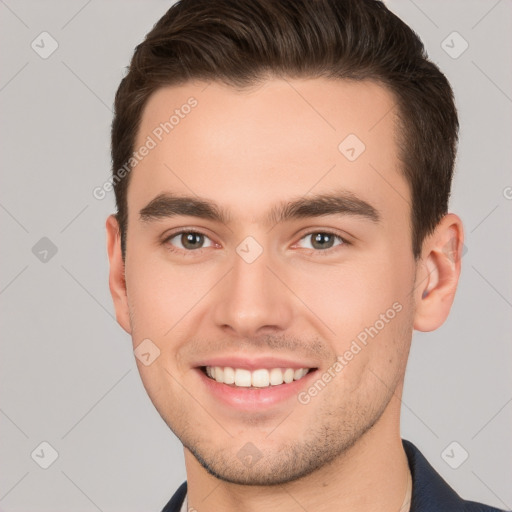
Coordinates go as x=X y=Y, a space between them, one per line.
x=261 y=383
x=255 y=379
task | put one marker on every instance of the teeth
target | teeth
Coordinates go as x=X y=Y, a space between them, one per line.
x=288 y=375
x=229 y=375
x=261 y=378
x=298 y=374
x=219 y=374
x=242 y=378
x=276 y=376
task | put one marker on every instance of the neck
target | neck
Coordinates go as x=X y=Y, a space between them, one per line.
x=372 y=475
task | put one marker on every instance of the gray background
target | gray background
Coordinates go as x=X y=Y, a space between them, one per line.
x=68 y=375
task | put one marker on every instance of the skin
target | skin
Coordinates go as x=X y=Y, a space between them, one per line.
x=247 y=151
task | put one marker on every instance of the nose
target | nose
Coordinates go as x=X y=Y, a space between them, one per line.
x=253 y=300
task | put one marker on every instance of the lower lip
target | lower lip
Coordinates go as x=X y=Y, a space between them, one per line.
x=253 y=399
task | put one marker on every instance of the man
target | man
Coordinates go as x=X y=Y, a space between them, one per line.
x=282 y=172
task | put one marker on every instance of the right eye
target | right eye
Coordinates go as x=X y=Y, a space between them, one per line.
x=188 y=241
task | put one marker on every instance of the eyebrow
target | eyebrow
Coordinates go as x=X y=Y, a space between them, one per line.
x=168 y=205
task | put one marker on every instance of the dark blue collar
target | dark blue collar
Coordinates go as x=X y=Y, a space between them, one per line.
x=430 y=493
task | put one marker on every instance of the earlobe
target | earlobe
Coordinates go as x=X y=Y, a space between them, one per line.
x=117 y=283
x=438 y=273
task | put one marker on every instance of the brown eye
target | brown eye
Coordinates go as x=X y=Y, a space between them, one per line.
x=189 y=240
x=322 y=240
x=192 y=240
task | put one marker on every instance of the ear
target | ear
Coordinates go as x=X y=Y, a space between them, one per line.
x=438 y=273
x=116 y=281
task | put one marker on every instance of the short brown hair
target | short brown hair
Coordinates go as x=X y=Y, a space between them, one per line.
x=242 y=42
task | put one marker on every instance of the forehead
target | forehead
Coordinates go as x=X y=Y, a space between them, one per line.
x=247 y=149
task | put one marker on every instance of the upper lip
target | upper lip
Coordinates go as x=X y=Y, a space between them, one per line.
x=254 y=363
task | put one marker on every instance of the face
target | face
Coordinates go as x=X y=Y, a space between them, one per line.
x=291 y=253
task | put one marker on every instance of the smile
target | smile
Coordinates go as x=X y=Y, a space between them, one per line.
x=260 y=378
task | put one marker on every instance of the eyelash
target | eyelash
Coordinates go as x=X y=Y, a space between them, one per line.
x=322 y=252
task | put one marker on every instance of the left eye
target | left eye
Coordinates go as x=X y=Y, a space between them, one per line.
x=189 y=240
x=322 y=240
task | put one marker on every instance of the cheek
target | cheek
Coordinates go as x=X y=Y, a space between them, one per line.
x=349 y=297
x=160 y=294
x=365 y=313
